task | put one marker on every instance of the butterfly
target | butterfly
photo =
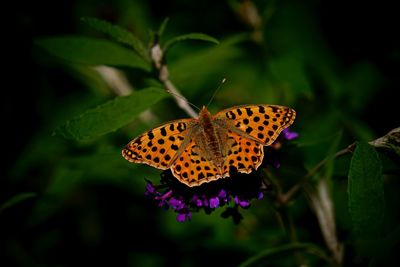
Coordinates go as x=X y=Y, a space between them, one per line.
x=204 y=149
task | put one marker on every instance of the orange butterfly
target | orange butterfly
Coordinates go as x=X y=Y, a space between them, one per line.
x=204 y=149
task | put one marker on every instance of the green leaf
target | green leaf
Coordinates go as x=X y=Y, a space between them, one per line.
x=191 y=70
x=264 y=258
x=16 y=199
x=291 y=73
x=119 y=34
x=190 y=36
x=91 y=51
x=111 y=115
x=162 y=27
x=330 y=159
x=365 y=190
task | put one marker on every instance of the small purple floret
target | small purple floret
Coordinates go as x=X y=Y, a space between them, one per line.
x=289 y=135
x=150 y=189
x=214 y=202
x=183 y=217
x=176 y=204
x=241 y=202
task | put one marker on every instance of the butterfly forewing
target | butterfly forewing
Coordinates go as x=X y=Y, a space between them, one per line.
x=262 y=123
x=159 y=146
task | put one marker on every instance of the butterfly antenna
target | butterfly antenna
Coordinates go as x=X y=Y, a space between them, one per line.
x=182 y=98
x=215 y=92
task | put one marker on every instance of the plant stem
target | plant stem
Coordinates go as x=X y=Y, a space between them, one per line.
x=157 y=57
x=286 y=197
x=119 y=84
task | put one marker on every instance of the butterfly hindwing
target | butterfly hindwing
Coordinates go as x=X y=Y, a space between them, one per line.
x=244 y=155
x=192 y=168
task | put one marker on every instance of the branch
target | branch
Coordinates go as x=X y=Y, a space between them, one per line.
x=390 y=142
x=321 y=202
x=120 y=85
x=157 y=57
x=285 y=198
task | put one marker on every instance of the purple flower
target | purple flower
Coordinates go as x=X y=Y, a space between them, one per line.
x=197 y=201
x=289 y=135
x=242 y=202
x=184 y=216
x=214 y=202
x=150 y=189
x=223 y=196
x=239 y=191
x=205 y=201
x=176 y=204
x=162 y=199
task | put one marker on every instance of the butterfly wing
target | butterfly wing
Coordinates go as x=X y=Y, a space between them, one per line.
x=193 y=169
x=261 y=123
x=160 y=146
x=245 y=155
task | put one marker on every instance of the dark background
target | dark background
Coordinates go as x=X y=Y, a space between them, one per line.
x=104 y=223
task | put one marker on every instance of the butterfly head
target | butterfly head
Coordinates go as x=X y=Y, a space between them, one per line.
x=204 y=113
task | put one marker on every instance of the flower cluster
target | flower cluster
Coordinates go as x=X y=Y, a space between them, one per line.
x=239 y=191
x=184 y=203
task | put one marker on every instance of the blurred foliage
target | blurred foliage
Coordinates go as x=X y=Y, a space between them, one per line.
x=75 y=201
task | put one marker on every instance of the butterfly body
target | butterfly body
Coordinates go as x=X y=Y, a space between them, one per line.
x=206 y=148
x=211 y=138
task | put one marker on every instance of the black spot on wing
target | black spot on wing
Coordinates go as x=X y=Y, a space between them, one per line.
x=150 y=135
x=249 y=130
x=174 y=147
x=230 y=115
x=163 y=131
x=181 y=127
x=160 y=141
x=248 y=111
